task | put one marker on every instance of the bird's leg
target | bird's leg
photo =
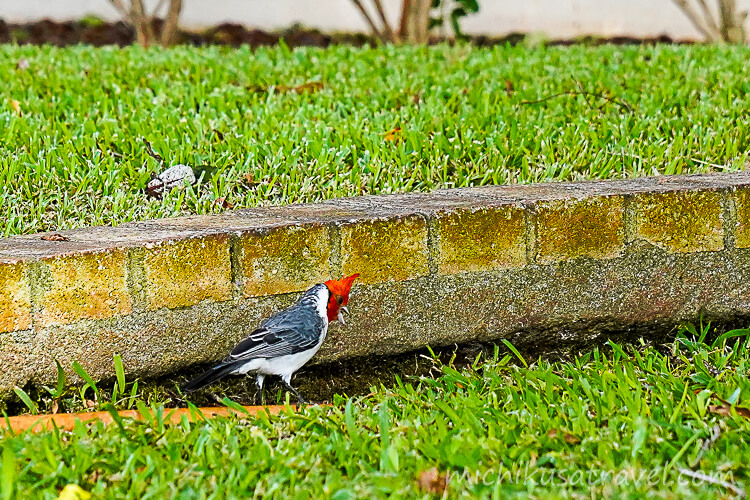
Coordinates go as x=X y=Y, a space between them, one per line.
x=261 y=392
x=294 y=391
x=177 y=401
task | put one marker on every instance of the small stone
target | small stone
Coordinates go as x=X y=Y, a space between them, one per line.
x=175 y=176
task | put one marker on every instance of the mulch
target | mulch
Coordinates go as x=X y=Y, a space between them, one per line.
x=98 y=33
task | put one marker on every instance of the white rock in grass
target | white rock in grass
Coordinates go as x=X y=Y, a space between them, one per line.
x=177 y=175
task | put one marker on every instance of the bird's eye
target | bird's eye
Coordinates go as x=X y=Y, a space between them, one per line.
x=339 y=299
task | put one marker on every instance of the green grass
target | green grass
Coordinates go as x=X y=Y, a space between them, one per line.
x=625 y=422
x=75 y=156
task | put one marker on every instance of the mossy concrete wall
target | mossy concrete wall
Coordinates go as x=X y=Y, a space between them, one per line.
x=543 y=264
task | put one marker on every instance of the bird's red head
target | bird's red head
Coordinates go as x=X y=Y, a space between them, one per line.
x=339 y=297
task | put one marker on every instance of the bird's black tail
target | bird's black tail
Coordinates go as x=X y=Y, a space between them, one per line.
x=209 y=377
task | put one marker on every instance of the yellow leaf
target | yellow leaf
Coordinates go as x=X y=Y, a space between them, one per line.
x=308 y=87
x=393 y=135
x=725 y=410
x=16 y=105
x=571 y=439
x=432 y=481
x=73 y=492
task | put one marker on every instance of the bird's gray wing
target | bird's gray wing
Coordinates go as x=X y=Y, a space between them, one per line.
x=289 y=332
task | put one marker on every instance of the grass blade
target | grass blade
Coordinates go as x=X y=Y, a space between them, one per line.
x=350 y=423
x=120 y=371
x=85 y=376
x=741 y=332
x=26 y=400
x=60 y=380
x=235 y=406
x=515 y=351
x=9 y=473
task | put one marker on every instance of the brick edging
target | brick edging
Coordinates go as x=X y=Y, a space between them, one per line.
x=170 y=292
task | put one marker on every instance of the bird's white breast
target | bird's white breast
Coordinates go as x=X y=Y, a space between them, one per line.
x=282 y=365
x=290 y=363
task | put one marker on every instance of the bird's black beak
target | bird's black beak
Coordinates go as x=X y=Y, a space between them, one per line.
x=341 y=314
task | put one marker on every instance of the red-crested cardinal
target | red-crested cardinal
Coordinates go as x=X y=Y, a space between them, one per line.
x=285 y=341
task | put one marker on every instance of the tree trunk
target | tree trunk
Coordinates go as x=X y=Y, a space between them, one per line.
x=415 y=21
x=732 y=21
x=729 y=27
x=169 y=30
x=142 y=21
x=414 y=25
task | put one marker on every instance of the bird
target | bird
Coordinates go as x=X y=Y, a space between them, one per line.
x=284 y=342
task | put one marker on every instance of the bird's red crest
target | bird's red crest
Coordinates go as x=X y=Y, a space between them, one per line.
x=342 y=287
x=339 y=294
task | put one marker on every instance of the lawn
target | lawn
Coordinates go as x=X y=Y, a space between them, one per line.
x=628 y=422
x=276 y=126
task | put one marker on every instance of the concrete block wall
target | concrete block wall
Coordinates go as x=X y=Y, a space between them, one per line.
x=544 y=263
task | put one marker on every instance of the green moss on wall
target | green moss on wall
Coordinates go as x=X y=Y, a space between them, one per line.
x=15 y=298
x=683 y=221
x=592 y=227
x=385 y=250
x=481 y=240
x=286 y=259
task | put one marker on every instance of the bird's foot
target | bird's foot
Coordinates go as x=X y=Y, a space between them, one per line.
x=177 y=400
x=260 y=398
x=300 y=399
